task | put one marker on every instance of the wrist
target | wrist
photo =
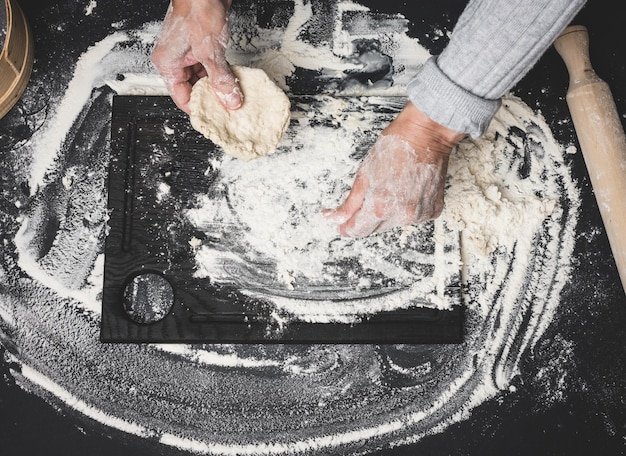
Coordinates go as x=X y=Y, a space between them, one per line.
x=423 y=133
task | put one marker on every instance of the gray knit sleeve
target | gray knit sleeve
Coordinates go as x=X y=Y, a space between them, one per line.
x=492 y=46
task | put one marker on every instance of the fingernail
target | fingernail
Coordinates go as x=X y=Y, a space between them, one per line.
x=334 y=216
x=232 y=100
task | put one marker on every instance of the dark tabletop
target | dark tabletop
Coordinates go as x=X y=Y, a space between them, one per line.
x=590 y=415
x=3 y=26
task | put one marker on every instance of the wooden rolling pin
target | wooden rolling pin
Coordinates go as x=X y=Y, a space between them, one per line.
x=601 y=137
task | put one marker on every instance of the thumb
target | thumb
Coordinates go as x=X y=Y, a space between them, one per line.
x=225 y=85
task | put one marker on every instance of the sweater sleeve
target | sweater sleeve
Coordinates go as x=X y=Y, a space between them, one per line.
x=492 y=46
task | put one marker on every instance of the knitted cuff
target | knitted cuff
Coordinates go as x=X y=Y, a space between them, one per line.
x=448 y=104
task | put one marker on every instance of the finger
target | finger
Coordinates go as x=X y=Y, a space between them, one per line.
x=363 y=223
x=334 y=215
x=387 y=225
x=176 y=76
x=353 y=201
x=225 y=85
x=365 y=220
x=181 y=93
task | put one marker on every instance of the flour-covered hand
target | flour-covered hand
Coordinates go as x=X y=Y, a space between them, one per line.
x=191 y=45
x=401 y=181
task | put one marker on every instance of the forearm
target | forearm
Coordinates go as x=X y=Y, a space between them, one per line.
x=493 y=45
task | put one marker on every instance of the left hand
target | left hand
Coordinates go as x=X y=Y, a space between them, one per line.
x=402 y=179
x=191 y=45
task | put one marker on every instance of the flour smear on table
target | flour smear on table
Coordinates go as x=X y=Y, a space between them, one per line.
x=510 y=200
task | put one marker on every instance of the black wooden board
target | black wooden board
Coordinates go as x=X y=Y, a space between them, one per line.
x=148 y=261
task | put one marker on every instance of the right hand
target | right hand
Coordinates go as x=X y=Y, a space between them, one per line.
x=191 y=45
x=401 y=181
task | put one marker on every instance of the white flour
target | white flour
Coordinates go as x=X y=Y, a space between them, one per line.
x=269 y=237
x=510 y=201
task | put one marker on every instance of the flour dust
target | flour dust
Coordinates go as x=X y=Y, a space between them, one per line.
x=511 y=207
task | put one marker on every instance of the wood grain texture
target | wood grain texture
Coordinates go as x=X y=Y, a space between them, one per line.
x=147 y=235
x=601 y=137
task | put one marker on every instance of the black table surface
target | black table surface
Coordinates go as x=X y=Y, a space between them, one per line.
x=3 y=26
x=591 y=415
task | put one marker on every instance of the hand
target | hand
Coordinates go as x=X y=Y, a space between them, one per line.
x=191 y=45
x=402 y=179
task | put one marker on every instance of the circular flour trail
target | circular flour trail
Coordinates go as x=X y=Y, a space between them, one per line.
x=510 y=199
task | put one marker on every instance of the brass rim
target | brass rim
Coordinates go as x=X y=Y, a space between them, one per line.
x=16 y=58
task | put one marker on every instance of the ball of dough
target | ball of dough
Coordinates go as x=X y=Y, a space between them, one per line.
x=254 y=130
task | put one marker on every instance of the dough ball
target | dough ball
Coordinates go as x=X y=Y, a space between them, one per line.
x=253 y=130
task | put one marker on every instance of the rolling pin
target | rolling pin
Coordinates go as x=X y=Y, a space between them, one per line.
x=600 y=135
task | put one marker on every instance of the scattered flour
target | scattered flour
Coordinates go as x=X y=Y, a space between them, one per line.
x=510 y=201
